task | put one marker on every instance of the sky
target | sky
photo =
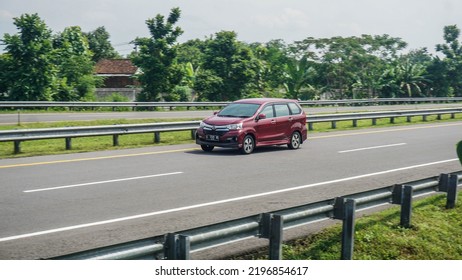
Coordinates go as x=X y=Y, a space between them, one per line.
x=420 y=23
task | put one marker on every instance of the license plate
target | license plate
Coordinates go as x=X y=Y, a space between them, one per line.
x=212 y=137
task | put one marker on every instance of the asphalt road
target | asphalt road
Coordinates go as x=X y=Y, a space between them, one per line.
x=54 y=205
x=14 y=118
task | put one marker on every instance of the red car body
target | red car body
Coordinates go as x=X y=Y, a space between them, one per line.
x=249 y=123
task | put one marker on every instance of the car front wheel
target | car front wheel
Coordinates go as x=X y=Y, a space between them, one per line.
x=207 y=148
x=248 y=144
x=295 y=141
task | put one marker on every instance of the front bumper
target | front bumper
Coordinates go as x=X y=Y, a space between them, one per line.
x=228 y=139
x=217 y=144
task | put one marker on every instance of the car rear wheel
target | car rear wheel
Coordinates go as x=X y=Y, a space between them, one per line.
x=207 y=148
x=248 y=145
x=295 y=141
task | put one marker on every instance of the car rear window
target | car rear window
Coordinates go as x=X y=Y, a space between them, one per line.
x=294 y=108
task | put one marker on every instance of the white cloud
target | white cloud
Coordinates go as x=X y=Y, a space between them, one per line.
x=6 y=16
x=288 y=18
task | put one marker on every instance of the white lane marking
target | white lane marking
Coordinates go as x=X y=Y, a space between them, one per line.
x=27 y=235
x=371 y=148
x=101 y=182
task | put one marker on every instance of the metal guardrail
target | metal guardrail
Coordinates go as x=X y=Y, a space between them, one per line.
x=375 y=101
x=18 y=136
x=180 y=245
x=134 y=105
x=392 y=115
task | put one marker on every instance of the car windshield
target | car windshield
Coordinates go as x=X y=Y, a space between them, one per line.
x=239 y=110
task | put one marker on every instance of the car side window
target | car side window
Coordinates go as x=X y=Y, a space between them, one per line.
x=294 y=108
x=268 y=111
x=281 y=110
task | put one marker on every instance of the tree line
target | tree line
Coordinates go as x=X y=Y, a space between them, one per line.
x=41 y=66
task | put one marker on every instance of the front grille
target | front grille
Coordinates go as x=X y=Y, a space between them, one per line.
x=215 y=130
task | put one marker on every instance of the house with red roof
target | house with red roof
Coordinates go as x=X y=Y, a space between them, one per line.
x=119 y=77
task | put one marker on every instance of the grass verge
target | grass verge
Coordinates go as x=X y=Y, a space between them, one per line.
x=435 y=234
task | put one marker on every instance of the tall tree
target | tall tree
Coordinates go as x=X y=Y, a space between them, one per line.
x=4 y=65
x=272 y=59
x=351 y=66
x=100 y=45
x=156 y=57
x=29 y=68
x=76 y=80
x=452 y=62
x=230 y=66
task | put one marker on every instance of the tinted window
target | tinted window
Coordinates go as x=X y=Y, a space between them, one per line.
x=268 y=111
x=281 y=110
x=294 y=109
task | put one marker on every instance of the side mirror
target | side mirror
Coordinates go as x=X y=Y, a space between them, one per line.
x=215 y=113
x=261 y=117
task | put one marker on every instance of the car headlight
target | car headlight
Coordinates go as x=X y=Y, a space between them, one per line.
x=202 y=124
x=236 y=126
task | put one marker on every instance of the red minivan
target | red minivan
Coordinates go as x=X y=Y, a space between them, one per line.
x=249 y=123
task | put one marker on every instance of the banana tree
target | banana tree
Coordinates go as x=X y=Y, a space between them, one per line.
x=297 y=76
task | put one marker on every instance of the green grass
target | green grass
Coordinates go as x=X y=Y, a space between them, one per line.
x=435 y=234
x=88 y=144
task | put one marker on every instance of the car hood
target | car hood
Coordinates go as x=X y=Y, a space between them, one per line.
x=216 y=120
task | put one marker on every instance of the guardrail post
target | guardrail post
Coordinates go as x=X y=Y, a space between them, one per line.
x=68 y=143
x=406 y=206
x=193 y=134
x=334 y=124
x=409 y=118
x=424 y=118
x=397 y=194
x=344 y=209
x=156 y=137
x=392 y=120
x=448 y=183
x=310 y=126
x=355 y=123
x=177 y=247
x=374 y=121
x=185 y=247
x=115 y=140
x=17 y=146
x=271 y=227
